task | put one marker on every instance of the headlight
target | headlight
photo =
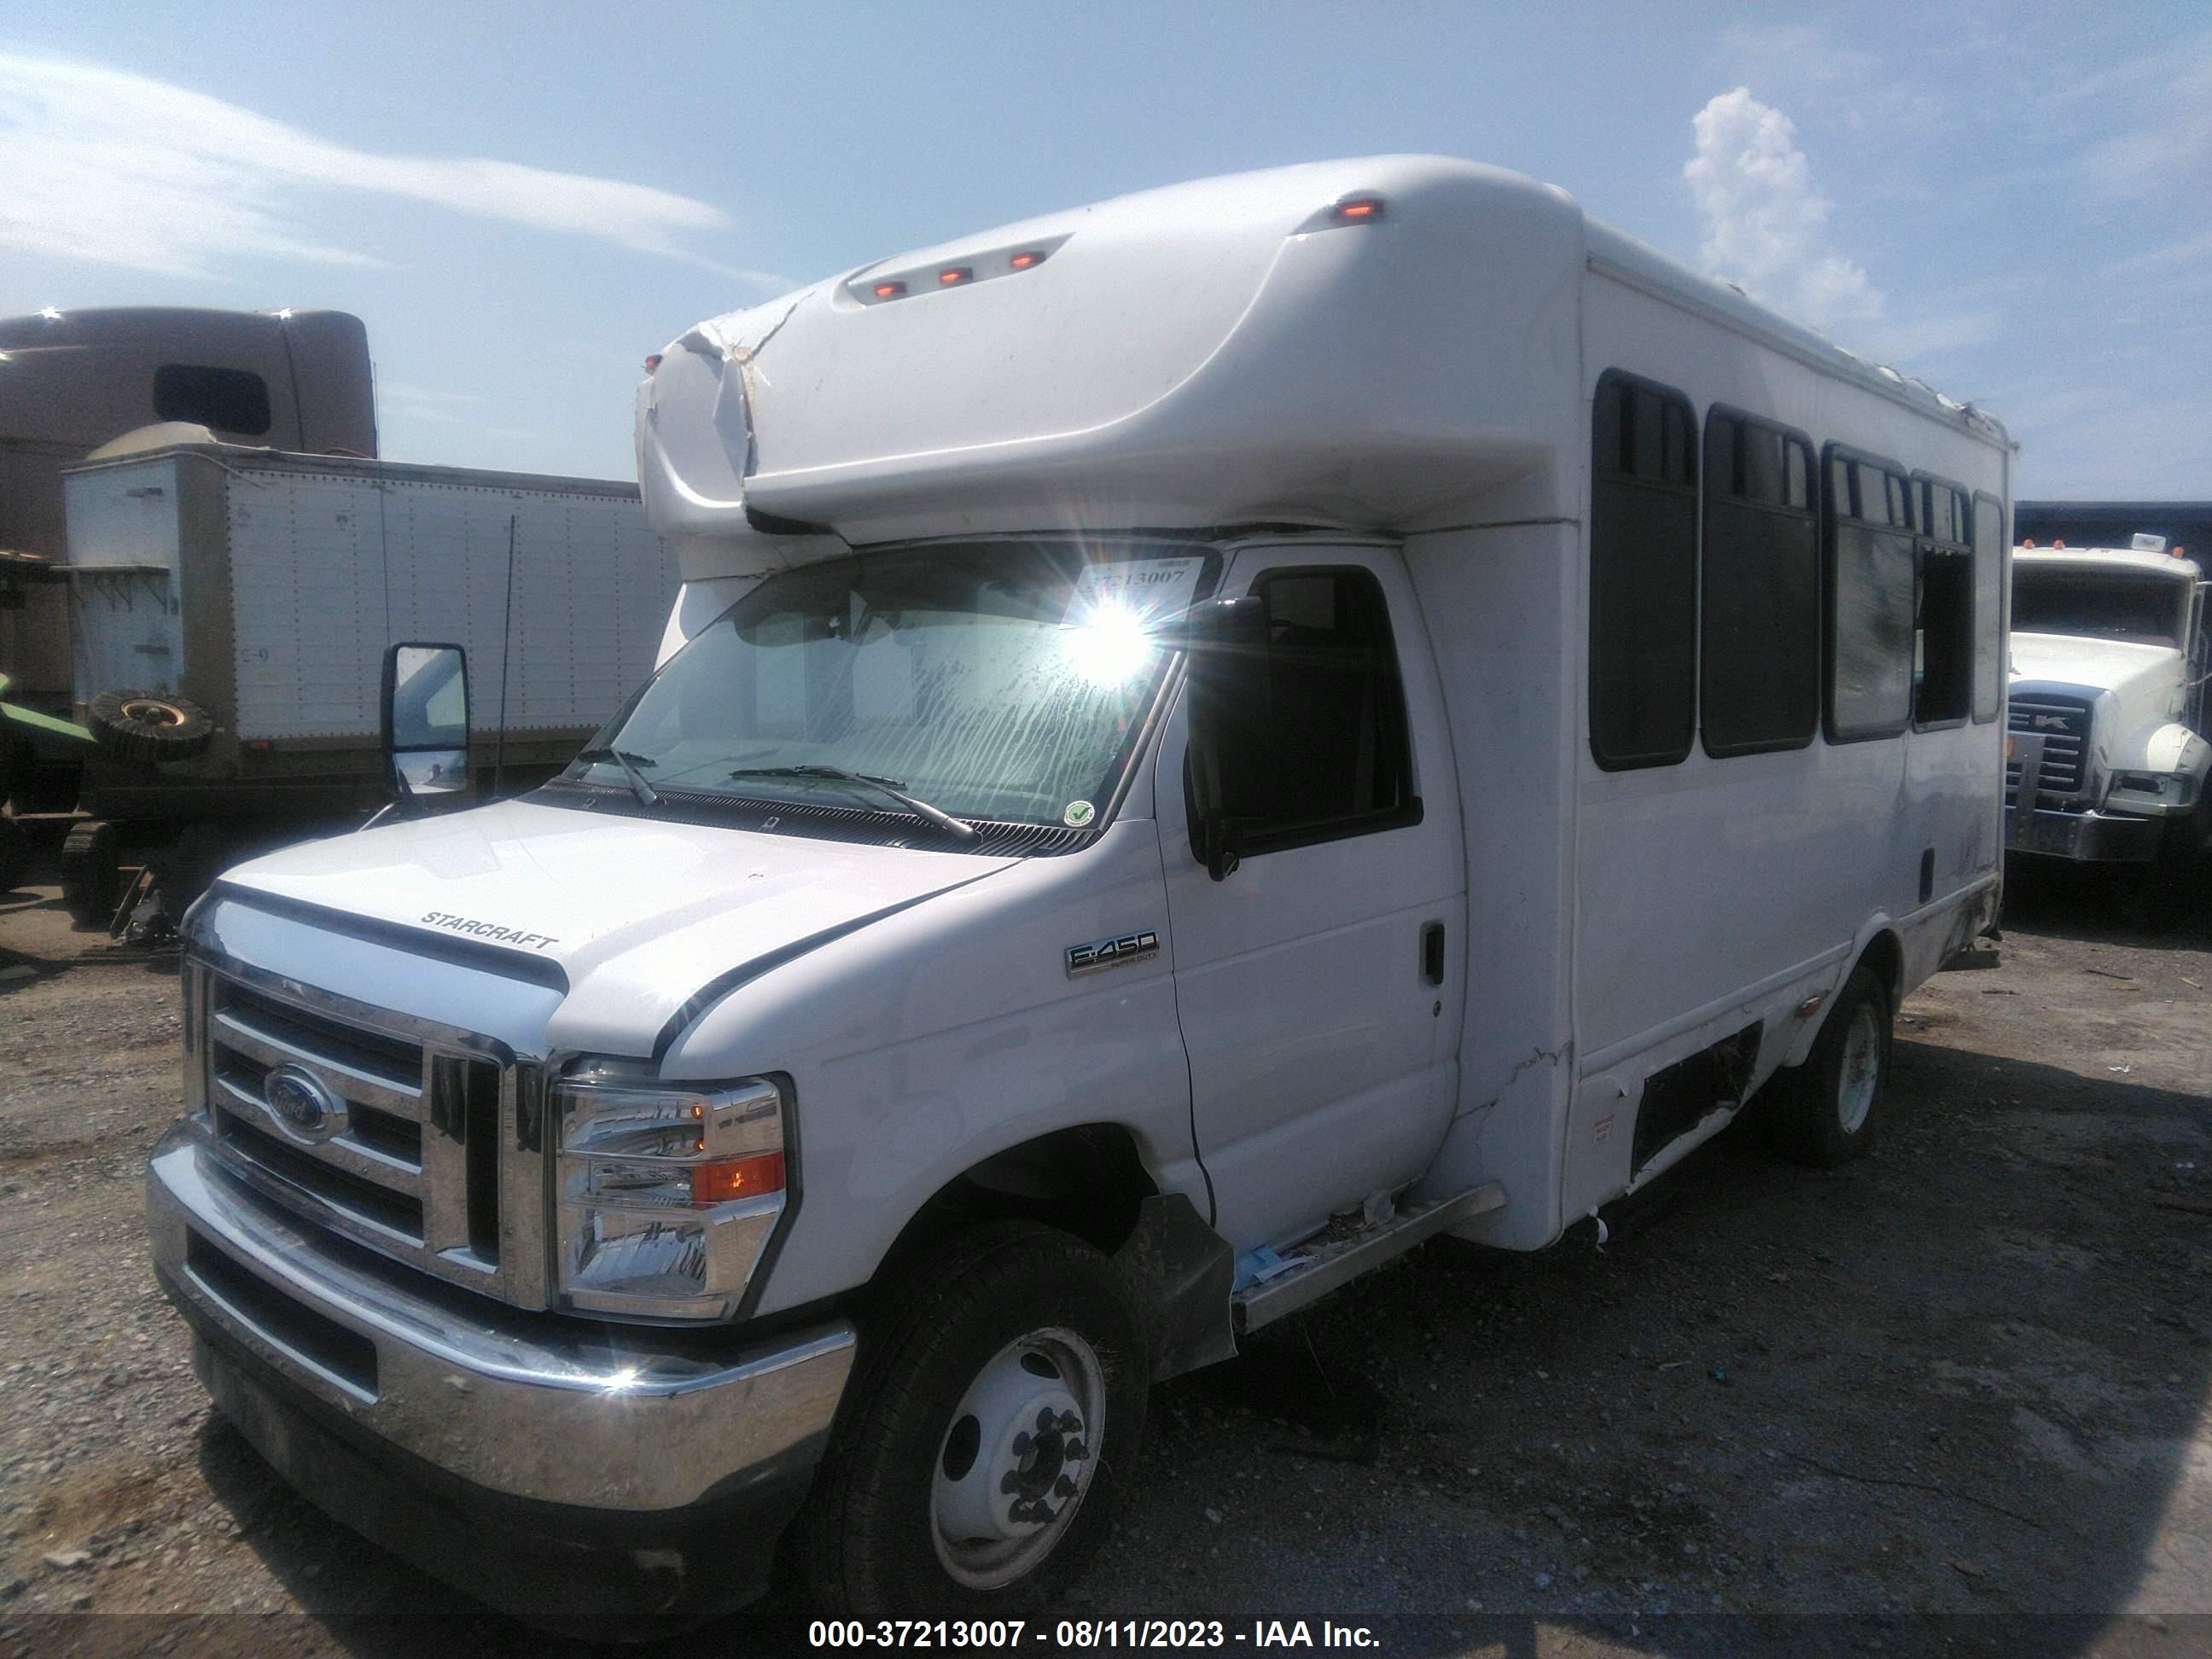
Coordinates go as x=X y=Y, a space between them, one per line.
x=666 y=1192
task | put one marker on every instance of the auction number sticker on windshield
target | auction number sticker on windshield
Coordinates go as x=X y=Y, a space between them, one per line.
x=1150 y=590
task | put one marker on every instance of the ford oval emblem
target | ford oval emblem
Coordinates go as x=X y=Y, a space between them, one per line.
x=301 y=1105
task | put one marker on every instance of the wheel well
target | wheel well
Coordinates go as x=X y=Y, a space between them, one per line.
x=1885 y=958
x=1088 y=1181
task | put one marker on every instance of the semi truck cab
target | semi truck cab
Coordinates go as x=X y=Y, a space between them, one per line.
x=2106 y=717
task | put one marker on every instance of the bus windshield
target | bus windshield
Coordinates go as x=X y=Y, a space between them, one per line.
x=2102 y=604
x=1002 y=682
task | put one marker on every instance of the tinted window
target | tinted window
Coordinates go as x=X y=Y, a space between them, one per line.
x=1870 y=612
x=1989 y=542
x=228 y=399
x=1643 y=575
x=1760 y=665
x=1943 y=628
x=1329 y=751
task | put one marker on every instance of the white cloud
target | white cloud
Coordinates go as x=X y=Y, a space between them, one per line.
x=117 y=168
x=1766 y=226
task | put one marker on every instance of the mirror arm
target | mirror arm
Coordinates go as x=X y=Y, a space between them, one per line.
x=1224 y=848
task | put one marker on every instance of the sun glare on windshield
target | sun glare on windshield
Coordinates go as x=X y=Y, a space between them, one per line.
x=1107 y=645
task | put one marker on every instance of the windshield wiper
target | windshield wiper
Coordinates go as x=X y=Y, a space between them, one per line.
x=964 y=833
x=629 y=764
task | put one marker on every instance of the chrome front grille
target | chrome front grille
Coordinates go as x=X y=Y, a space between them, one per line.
x=2064 y=728
x=399 y=1145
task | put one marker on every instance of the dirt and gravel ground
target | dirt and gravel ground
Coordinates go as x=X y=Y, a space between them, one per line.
x=1952 y=1398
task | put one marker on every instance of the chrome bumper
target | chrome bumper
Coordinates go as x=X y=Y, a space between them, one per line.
x=527 y=1406
x=2091 y=837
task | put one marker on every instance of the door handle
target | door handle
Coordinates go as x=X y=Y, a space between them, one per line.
x=1432 y=952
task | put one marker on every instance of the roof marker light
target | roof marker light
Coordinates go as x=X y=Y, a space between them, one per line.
x=952 y=274
x=1025 y=259
x=652 y=362
x=890 y=290
x=2058 y=542
x=1357 y=209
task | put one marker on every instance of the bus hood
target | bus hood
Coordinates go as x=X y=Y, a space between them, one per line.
x=640 y=915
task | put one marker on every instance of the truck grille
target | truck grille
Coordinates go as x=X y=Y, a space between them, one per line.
x=393 y=1139
x=2064 y=728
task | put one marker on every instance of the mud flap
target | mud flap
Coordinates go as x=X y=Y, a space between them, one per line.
x=1178 y=1272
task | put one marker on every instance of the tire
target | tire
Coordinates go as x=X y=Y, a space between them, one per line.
x=1824 y=1113
x=1009 y=1353
x=146 y=728
x=90 y=868
x=14 y=855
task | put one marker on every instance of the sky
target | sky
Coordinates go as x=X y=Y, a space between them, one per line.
x=2012 y=202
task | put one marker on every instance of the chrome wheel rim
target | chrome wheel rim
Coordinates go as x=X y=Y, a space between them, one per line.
x=1861 y=1071
x=1016 y=1459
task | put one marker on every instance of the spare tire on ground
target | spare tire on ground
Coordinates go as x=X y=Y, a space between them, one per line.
x=14 y=855
x=145 y=727
x=90 y=870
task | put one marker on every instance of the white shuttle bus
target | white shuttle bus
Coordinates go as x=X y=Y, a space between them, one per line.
x=1206 y=740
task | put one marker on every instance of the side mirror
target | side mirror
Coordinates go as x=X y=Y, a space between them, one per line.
x=1229 y=715
x=426 y=727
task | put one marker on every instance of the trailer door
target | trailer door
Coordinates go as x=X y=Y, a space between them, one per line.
x=1318 y=984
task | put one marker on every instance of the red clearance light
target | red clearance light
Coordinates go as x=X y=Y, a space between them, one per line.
x=1357 y=209
x=2180 y=552
x=2058 y=541
x=1024 y=261
x=890 y=290
x=652 y=362
x=952 y=274
x=2029 y=543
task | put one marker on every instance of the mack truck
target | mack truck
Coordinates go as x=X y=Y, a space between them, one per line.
x=2105 y=711
x=1205 y=741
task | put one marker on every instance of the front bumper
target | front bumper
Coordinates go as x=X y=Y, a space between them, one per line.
x=551 y=1467
x=2090 y=836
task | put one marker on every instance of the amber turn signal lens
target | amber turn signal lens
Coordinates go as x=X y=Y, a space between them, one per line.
x=736 y=1178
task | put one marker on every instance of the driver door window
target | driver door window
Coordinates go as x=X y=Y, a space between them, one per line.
x=1319 y=751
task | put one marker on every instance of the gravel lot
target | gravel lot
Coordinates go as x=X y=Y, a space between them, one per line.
x=1951 y=1398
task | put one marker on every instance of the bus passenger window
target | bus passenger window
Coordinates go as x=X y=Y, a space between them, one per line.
x=1870 y=605
x=1989 y=542
x=1644 y=574
x=1759 y=668
x=1943 y=631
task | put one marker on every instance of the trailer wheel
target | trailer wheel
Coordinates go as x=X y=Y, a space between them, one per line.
x=14 y=855
x=146 y=728
x=998 y=1393
x=89 y=872
x=1825 y=1112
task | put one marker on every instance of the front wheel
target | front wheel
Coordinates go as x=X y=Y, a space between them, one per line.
x=1000 y=1395
x=1824 y=1113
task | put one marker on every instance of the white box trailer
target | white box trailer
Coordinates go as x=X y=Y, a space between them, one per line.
x=1206 y=740
x=265 y=586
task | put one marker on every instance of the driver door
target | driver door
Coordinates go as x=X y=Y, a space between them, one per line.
x=1318 y=983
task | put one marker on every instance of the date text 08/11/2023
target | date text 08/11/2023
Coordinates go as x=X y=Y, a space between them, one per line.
x=1086 y=1633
